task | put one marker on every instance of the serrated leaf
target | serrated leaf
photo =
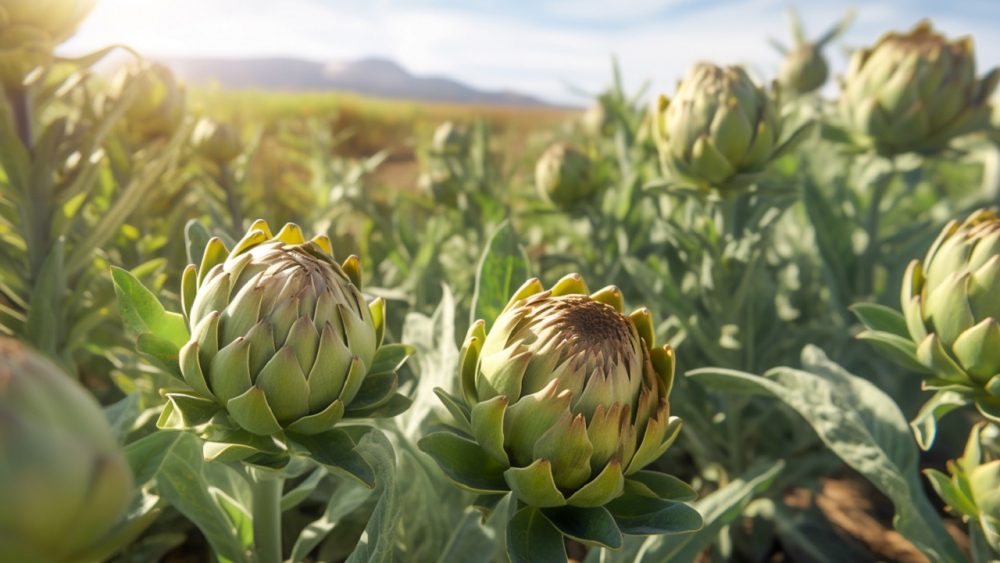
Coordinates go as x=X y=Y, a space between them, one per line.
x=503 y=268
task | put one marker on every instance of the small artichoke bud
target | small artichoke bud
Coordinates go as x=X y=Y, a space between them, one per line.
x=159 y=102
x=804 y=69
x=915 y=92
x=450 y=140
x=972 y=487
x=63 y=482
x=720 y=131
x=216 y=141
x=567 y=395
x=565 y=176
x=952 y=314
x=282 y=339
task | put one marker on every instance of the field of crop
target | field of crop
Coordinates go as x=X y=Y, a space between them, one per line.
x=745 y=320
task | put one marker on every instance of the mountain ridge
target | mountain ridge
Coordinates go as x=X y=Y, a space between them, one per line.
x=373 y=76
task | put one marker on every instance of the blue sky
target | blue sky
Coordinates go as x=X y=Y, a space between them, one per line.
x=539 y=47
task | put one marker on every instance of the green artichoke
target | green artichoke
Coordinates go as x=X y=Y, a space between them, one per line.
x=282 y=343
x=31 y=29
x=951 y=312
x=564 y=402
x=720 y=131
x=915 y=92
x=159 y=102
x=565 y=176
x=215 y=141
x=972 y=489
x=950 y=326
x=63 y=483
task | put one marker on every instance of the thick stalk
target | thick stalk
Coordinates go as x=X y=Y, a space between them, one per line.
x=866 y=270
x=38 y=215
x=266 y=490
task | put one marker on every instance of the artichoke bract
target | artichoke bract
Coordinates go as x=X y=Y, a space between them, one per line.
x=565 y=176
x=282 y=344
x=216 y=141
x=720 y=131
x=64 y=485
x=564 y=403
x=915 y=92
x=159 y=102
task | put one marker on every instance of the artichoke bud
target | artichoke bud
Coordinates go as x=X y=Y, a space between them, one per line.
x=566 y=176
x=282 y=338
x=450 y=140
x=441 y=184
x=216 y=141
x=720 y=130
x=568 y=394
x=915 y=92
x=804 y=69
x=597 y=121
x=157 y=107
x=951 y=303
x=64 y=485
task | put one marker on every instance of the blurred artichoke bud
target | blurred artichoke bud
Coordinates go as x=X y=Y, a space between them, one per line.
x=720 y=130
x=565 y=176
x=58 y=19
x=158 y=107
x=215 y=141
x=597 y=121
x=441 y=184
x=281 y=337
x=972 y=488
x=915 y=92
x=63 y=483
x=804 y=69
x=567 y=397
x=450 y=140
x=952 y=313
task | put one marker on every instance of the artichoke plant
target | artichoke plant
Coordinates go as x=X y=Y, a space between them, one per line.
x=950 y=326
x=280 y=346
x=566 y=176
x=972 y=490
x=216 y=141
x=720 y=131
x=64 y=485
x=159 y=102
x=564 y=402
x=915 y=92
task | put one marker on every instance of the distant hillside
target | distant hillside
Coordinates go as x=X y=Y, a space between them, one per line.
x=375 y=77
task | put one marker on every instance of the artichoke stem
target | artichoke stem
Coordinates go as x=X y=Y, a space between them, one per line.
x=267 y=489
x=866 y=272
x=232 y=201
x=40 y=212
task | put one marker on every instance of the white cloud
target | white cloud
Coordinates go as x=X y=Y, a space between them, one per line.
x=514 y=51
